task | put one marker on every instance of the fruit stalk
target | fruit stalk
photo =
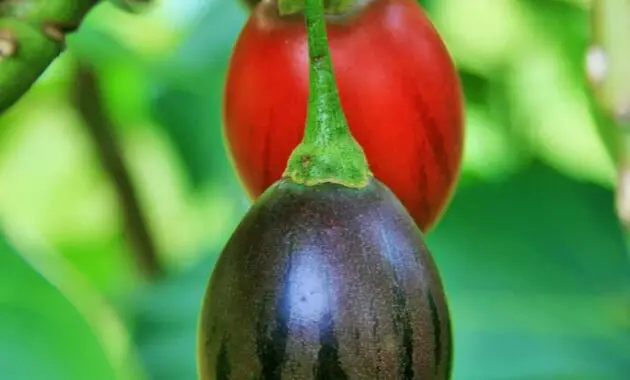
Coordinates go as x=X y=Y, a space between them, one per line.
x=328 y=153
x=32 y=36
x=288 y=7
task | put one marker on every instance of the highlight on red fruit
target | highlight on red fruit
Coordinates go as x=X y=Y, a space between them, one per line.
x=398 y=87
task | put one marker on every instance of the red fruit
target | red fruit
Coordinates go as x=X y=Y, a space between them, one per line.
x=397 y=84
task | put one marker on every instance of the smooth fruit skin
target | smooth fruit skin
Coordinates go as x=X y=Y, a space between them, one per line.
x=326 y=283
x=398 y=87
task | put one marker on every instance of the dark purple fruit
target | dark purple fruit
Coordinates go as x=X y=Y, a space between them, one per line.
x=325 y=282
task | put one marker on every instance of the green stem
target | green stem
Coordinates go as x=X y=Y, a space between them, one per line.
x=32 y=35
x=289 y=7
x=328 y=152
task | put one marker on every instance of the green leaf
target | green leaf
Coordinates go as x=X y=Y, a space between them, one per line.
x=537 y=278
x=42 y=334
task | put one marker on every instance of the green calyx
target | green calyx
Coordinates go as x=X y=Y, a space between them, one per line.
x=328 y=153
x=289 y=7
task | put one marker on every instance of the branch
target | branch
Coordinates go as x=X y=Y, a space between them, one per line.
x=90 y=105
x=32 y=36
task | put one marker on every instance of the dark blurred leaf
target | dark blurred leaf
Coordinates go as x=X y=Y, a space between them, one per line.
x=42 y=335
x=134 y=6
x=211 y=38
x=476 y=86
x=189 y=106
x=195 y=129
x=427 y=5
x=166 y=323
x=538 y=280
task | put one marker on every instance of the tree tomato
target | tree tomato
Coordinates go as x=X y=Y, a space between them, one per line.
x=398 y=87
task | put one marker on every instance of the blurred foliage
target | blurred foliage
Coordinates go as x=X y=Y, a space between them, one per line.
x=530 y=250
x=52 y=326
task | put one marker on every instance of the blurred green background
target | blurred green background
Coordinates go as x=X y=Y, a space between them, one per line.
x=533 y=258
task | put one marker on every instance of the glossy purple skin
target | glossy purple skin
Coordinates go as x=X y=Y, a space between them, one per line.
x=325 y=282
